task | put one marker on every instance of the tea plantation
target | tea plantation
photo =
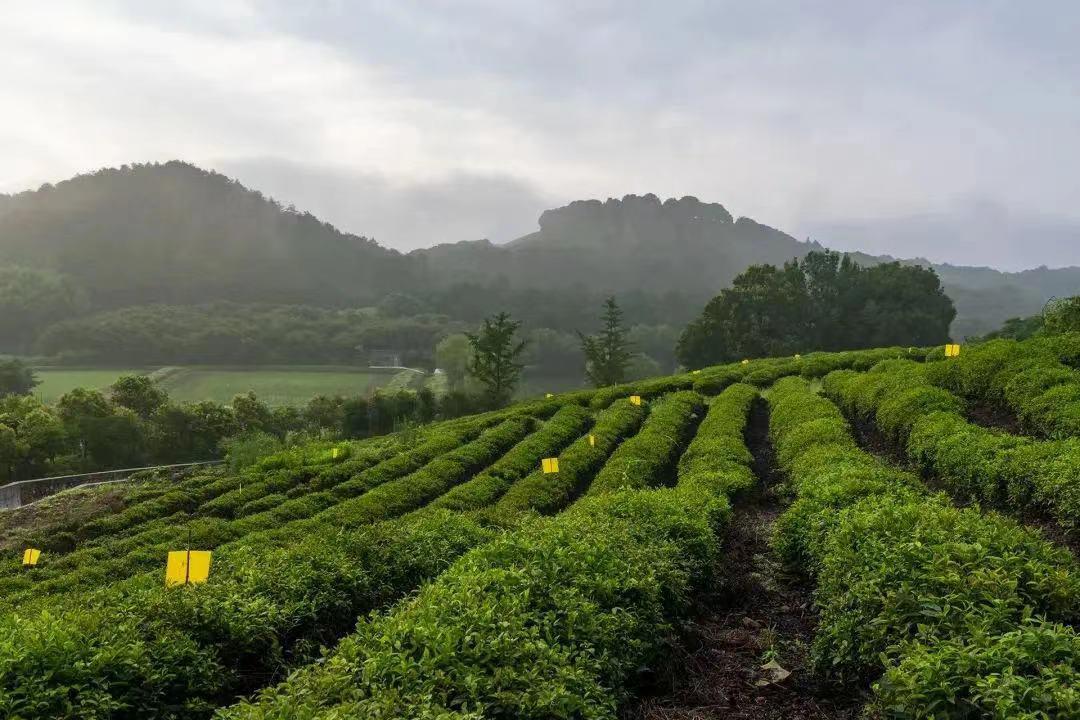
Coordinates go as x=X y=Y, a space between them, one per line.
x=928 y=505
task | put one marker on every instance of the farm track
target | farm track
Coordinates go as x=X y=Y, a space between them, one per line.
x=870 y=439
x=753 y=612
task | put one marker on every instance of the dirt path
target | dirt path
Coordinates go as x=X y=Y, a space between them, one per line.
x=754 y=614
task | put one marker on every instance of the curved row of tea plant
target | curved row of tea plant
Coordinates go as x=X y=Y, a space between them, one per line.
x=437 y=464
x=148 y=651
x=761 y=373
x=554 y=620
x=972 y=462
x=644 y=460
x=948 y=610
x=578 y=464
x=1033 y=378
x=487 y=487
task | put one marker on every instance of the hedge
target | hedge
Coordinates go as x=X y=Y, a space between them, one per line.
x=899 y=570
x=554 y=620
x=649 y=456
x=972 y=462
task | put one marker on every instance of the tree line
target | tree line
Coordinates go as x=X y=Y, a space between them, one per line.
x=134 y=423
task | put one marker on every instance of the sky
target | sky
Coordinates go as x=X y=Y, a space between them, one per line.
x=945 y=130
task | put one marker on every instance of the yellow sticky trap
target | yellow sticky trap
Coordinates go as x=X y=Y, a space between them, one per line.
x=635 y=399
x=550 y=465
x=187 y=567
x=696 y=372
x=335 y=453
x=952 y=351
x=745 y=362
x=30 y=557
x=549 y=395
x=592 y=441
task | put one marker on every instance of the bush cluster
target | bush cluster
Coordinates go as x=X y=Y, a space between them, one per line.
x=908 y=584
x=553 y=620
x=972 y=462
x=648 y=458
x=1036 y=379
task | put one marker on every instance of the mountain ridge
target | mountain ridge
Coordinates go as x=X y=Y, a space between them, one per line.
x=174 y=232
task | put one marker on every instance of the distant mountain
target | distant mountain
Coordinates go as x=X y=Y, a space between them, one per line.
x=641 y=242
x=637 y=243
x=174 y=233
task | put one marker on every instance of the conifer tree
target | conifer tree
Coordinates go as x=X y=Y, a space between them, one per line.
x=607 y=354
x=495 y=352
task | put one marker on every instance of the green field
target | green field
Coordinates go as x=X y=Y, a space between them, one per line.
x=274 y=386
x=57 y=381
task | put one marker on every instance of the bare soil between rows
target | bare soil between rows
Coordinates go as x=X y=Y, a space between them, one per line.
x=755 y=612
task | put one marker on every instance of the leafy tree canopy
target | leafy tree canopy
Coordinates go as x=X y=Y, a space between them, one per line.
x=16 y=377
x=823 y=302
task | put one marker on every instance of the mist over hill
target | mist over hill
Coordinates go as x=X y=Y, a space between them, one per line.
x=174 y=233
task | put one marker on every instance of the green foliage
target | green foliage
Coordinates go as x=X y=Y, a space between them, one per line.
x=30 y=300
x=243 y=451
x=824 y=302
x=488 y=486
x=1027 y=673
x=139 y=394
x=974 y=463
x=718 y=458
x=16 y=377
x=578 y=464
x=495 y=353
x=607 y=354
x=452 y=356
x=1062 y=315
x=902 y=576
x=582 y=602
x=648 y=458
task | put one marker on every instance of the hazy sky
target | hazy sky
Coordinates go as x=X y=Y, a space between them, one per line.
x=949 y=130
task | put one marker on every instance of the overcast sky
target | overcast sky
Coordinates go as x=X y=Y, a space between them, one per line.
x=949 y=130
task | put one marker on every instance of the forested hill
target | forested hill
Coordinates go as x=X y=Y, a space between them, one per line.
x=641 y=242
x=178 y=234
x=173 y=233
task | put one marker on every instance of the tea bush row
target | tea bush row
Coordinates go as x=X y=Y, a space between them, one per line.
x=927 y=423
x=554 y=620
x=906 y=582
x=647 y=458
x=1029 y=377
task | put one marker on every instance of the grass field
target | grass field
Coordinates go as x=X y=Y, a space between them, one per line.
x=57 y=381
x=274 y=386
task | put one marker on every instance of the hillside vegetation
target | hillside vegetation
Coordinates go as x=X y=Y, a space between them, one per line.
x=487 y=588
x=105 y=266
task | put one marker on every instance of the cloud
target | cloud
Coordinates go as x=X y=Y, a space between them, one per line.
x=801 y=116
x=964 y=232
x=401 y=214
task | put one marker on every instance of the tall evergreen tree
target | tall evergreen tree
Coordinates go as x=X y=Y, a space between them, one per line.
x=607 y=354
x=495 y=353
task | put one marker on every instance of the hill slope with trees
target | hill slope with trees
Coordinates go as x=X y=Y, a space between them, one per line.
x=165 y=235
